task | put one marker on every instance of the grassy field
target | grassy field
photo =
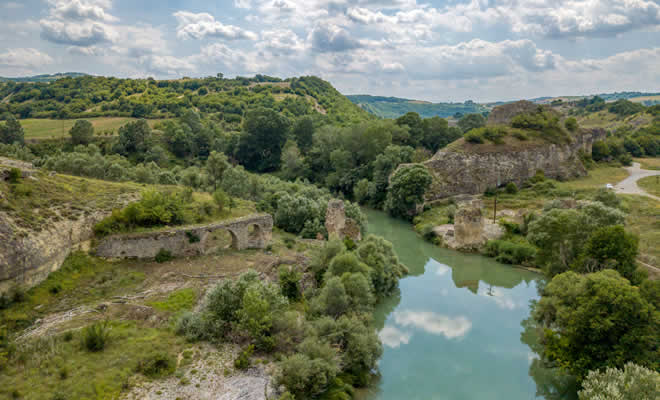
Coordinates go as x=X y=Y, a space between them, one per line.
x=651 y=184
x=649 y=163
x=56 y=128
x=607 y=120
x=644 y=220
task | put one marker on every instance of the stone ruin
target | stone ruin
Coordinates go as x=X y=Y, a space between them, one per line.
x=251 y=232
x=337 y=225
x=471 y=230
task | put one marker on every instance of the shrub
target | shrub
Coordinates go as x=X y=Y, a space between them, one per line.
x=511 y=188
x=290 y=282
x=163 y=255
x=520 y=135
x=221 y=199
x=192 y=237
x=156 y=365
x=96 y=336
x=473 y=137
x=632 y=383
x=625 y=159
x=607 y=197
x=243 y=360
x=571 y=124
x=15 y=176
x=508 y=252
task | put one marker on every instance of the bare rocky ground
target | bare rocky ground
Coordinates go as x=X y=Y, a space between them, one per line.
x=211 y=376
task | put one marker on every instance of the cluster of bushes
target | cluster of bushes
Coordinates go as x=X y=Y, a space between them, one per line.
x=323 y=337
x=494 y=134
x=154 y=209
x=510 y=252
x=543 y=123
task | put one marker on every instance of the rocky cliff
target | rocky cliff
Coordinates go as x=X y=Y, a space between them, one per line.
x=459 y=171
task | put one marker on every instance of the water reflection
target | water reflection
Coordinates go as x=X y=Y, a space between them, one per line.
x=442 y=341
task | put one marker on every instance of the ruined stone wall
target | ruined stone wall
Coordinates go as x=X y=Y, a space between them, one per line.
x=189 y=240
x=336 y=223
x=457 y=173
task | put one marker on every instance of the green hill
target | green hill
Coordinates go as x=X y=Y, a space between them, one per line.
x=394 y=107
x=226 y=100
x=43 y=78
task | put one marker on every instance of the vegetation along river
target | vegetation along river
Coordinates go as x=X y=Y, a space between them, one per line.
x=457 y=328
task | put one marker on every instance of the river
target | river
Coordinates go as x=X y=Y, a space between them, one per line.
x=456 y=330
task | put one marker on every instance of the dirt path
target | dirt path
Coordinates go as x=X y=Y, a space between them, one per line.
x=629 y=185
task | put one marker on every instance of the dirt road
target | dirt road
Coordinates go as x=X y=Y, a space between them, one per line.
x=629 y=185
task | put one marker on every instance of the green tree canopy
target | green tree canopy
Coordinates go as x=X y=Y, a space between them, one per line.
x=11 y=131
x=264 y=134
x=471 y=121
x=82 y=132
x=595 y=321
x=406 y=190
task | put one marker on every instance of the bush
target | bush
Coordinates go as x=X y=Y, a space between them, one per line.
x=243 y=360
x=508 y=252
x=96 y=336
x=473 y=137
x=632 y=383
x=156 y=365
x=520 y=135
x=163 y=255
x=290 y=282
x=511 y=188
x=571 y=124
x=15 y=176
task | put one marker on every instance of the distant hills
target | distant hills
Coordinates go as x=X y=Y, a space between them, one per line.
x=43 y=78
x=394 y=107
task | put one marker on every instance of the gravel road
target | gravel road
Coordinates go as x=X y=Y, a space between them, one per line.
x=629 y=185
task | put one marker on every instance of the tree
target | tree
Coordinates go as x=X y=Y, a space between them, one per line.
x=11 y=131
x=415 y=125
x=631 y=383
x=221 y=199
x=303 y=132
x=264 y=134
x=438 y=134
x=134 y=139
x=82 y=132
x=216 y=165
x=595 y=321
x=610 y=247
x=600 y=150
x=471 y=121
x=406 y=190
x=333 y=299
x=292 y=161
x=571 y=124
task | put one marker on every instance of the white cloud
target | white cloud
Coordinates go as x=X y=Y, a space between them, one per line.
x=392 y=337
x=434 y=323
x=281 y=42
x=82 y=9
x=202 y=25
x=331 y=38
x=24 y=58
x=77 y=34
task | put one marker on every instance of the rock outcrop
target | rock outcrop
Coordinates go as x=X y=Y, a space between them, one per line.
x=458 y=172
x=336 y=223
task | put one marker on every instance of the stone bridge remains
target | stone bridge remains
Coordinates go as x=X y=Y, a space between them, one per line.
x=250 y=232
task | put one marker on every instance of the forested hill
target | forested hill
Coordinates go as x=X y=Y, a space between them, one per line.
x=43 y=78
x=394 y=107
x=225 y=99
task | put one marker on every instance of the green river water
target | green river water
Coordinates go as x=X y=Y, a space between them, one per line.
x=457 y=330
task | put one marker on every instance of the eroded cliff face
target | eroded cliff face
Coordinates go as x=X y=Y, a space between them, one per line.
x=27 y=257
x=457 y=172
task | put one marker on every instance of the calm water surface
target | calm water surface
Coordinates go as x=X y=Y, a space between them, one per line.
x=456 y=330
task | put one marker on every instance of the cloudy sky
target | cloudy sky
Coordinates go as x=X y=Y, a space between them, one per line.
x=438 y=50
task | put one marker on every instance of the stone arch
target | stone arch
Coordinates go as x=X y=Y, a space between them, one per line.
x=219 y=239
x=255 y=236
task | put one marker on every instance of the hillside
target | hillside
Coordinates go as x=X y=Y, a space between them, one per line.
x=226 y=100
x=394 y=107
x=43 y=78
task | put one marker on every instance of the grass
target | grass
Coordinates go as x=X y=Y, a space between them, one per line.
x=55 y=366
x=37 y=128
x=649 y=163
x=651 y=184
x=81 y=279
x=180 y=300
x=597 y=178
x=644 y=220
x=34 y=203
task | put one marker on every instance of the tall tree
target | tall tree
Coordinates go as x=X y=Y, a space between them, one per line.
x=406 y=190
x=82 y=132
x=216 y=165
x=264 y=134
x=11 y=131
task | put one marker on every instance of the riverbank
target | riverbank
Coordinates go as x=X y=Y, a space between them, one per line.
x=642 y=212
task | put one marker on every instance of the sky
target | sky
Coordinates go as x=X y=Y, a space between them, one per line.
x=435 y=50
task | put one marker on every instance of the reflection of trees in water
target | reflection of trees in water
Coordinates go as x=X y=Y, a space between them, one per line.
x=469 y=275
x=551 y=382
x=385 y=308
